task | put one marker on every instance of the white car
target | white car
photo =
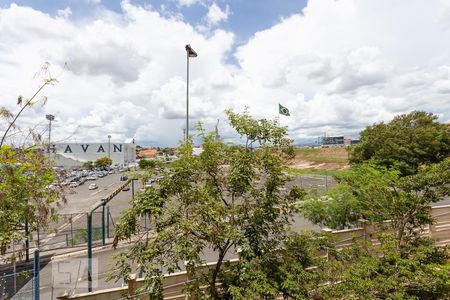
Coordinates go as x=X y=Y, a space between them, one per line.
x=93 y=186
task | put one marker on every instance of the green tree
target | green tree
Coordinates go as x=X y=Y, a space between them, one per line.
x=416 y=270
x=103 y=162
x=404 y=143
x=89 y=165
x=28 y=190
x=147 y=164
x=294 y=270
x=376 y=194
x=262 y=131
x=225 y=199
x=29 y=186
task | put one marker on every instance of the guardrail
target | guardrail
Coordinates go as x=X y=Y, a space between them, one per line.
x=439 y=230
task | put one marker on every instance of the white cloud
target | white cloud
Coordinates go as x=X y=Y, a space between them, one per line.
x=355 y=62
x=65 y=13
x=188 y=2
x=216 y=14
x=338 y=66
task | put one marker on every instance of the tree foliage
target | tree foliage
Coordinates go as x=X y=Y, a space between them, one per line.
x=294 y=270
x=265 y=132
x=103 y=162
x=29 y=186
x=416 y=270
x=28 y=189
x=225 y=199
x=399 y=170
x=147 y=164
x=234 y=200
x=89 y=165
x=405 y=143
x=376 y=194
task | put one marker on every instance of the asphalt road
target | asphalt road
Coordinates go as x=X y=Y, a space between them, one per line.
x=55 y=278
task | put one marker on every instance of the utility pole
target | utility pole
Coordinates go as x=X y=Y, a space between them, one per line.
x=109 y=146
x=50 y=118
x=217 y=130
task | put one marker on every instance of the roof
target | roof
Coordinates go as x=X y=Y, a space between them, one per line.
x=147 y=153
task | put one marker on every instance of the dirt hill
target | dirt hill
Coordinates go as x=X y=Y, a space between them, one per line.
x=320 y=158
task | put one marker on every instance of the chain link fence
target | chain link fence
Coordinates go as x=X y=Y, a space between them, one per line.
x=314 y=182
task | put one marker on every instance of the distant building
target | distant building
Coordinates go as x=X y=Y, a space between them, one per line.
x=333 y=141
x=75 y=154
x=338 y=141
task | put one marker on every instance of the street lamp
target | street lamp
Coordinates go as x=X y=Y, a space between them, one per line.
x=189 y=53
x=109 y=146
x=50 y=118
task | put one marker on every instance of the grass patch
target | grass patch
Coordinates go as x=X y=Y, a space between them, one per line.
x=325 y=159
x=322 y=155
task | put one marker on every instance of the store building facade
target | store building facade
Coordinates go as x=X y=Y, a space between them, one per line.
x=75 y=154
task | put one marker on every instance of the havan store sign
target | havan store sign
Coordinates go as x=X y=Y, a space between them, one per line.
x=90 y=148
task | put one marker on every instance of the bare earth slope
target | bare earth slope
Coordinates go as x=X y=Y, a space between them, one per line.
x=320 y=158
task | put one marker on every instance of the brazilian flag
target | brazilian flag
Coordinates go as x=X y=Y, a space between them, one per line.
x=283 y=110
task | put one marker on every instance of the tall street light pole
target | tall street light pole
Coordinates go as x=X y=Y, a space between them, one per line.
x=109 y=146
x=189 y=53
x=50 y=118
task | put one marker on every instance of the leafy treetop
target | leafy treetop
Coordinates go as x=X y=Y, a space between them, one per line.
x=28 y=189
x=103 y=162
x=405 y=143
x=225 y=199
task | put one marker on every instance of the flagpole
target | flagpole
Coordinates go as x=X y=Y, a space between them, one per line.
x=279 y=123
x=279 y=116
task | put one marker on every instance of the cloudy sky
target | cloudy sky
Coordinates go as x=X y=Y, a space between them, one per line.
x=338 y=65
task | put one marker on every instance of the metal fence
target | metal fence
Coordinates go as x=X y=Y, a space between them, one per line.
x=17 y=285
x=21 y=280
x=318 y=182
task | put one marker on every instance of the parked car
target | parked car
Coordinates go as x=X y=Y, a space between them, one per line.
x=74 y=184
x=123 y=178
x=93 y=186
x=91 y=177
x=126 y=188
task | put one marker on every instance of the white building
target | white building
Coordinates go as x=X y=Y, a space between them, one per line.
x=75 y=154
